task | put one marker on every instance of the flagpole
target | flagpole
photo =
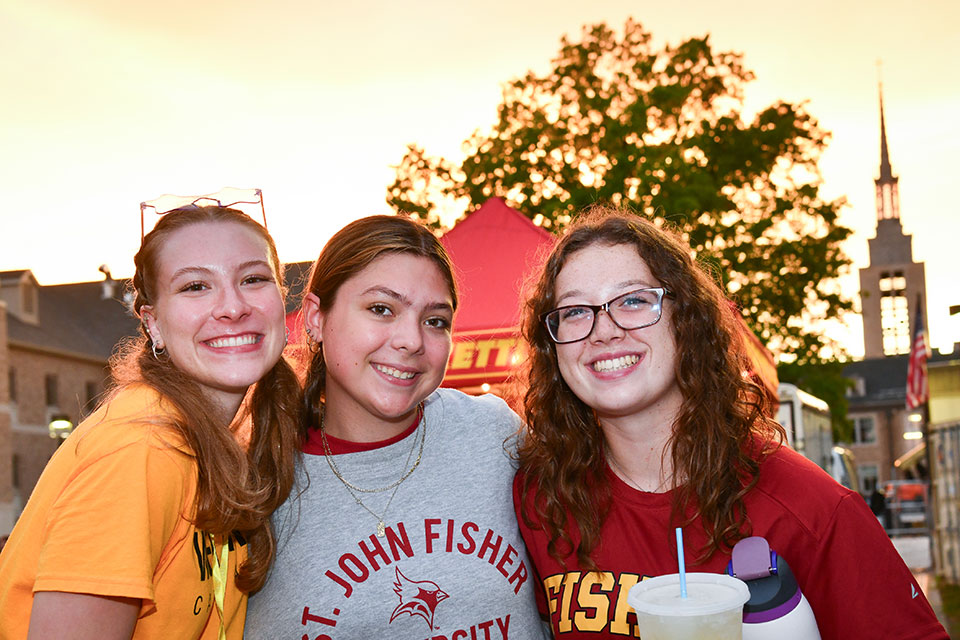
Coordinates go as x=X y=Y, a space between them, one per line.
x=918 y=398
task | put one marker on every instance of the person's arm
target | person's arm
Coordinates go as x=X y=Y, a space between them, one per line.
x=82 y=616
x=859 y=585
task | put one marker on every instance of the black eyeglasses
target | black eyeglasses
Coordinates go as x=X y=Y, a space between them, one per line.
x=633 y=310
x=228 y=197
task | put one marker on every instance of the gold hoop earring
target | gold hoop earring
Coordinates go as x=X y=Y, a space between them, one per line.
x=312 y=343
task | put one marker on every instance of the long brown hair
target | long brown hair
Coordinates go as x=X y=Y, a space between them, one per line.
x=714 y=445
x=346 y=254
x=237 y=490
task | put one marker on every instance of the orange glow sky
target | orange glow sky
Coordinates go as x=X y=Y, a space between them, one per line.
x=108 y=102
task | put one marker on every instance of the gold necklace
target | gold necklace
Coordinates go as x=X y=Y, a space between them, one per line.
x=381 y=525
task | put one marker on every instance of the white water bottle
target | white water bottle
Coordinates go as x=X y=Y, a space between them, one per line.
x=777 y=609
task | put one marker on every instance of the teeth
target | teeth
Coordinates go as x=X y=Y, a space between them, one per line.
x=395 y=373
x=615 y=363
x=233 y=341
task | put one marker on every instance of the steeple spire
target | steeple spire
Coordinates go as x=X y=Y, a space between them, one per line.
x=888 y=197
x=886 y=173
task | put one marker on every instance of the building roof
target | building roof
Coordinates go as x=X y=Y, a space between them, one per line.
x=12 y=276
x=75 y=319
x=884 y=379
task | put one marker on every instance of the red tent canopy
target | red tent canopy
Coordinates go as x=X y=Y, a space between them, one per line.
x=494 y=250
x=763 y=365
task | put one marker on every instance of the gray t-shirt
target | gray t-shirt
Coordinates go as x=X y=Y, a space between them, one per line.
x=451 y=565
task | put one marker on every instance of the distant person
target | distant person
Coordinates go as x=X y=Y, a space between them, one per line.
x=152 y=519
x=405 y=527
x=640 y=420
x=878 y=504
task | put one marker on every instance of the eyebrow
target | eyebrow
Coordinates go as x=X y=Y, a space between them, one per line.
x=206 y=270
x=404 y=300
x=620 y=285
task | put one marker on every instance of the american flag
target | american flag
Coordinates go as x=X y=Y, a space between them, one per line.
x=917 y=391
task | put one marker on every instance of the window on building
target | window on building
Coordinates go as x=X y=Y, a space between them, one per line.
x=869 y=475
x=858 y=389
x=12 y=379
x=888 y=200
x=864 y=430
x=28 y=298
x=92 y=391
x=50 y=388
x=892 y=281
x=894 y=313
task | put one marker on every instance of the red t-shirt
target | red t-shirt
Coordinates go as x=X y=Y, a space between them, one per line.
x=851 y=574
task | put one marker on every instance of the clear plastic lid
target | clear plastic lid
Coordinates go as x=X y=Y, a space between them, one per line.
x=707 y=593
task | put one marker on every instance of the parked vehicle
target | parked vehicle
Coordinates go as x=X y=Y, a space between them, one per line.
x=843 y=468
x=806 y=419
x=906 y=504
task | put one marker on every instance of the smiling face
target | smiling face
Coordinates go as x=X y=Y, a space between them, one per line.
x=618 y=373
x=217 y=308
x=386 y=340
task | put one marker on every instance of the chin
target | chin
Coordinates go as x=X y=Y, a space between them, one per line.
x=395 y=410
x=241 y=382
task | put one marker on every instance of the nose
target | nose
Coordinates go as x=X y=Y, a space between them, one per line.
x=408 y=334
x=231 y=304
x=604 y=328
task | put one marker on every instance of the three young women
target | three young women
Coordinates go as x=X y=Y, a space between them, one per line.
x=152 y=519
x=639 y=420
x=405 y=526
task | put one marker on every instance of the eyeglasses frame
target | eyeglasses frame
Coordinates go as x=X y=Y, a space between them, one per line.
x=662 y=292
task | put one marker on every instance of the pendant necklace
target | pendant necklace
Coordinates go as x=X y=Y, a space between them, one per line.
x=354 y=490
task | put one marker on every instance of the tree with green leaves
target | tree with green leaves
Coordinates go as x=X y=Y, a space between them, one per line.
x=661 y=130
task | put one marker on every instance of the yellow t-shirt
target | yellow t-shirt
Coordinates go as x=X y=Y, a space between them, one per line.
x=111 y=516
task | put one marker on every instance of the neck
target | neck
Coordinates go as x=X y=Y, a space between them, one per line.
x=639 y=453
x=360 y=426
x=225 y=405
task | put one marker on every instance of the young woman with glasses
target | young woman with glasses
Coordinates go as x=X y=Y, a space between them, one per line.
x=152 y=519
x=405 y=527
x=640 y=419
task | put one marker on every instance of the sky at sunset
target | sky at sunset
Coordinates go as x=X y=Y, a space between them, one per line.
x=107 y=103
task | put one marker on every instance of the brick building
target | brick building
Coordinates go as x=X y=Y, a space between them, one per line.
x=55 y=344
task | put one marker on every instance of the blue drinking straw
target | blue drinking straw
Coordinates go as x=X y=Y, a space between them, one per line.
x=683 y=569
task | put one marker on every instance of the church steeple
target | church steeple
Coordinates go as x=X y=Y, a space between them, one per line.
x=888 y=197
x=890 y=287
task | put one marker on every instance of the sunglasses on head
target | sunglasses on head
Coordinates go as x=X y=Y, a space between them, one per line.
x=243 y=200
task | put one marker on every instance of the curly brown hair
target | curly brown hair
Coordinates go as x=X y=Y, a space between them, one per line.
x=346 y=254
x=719 y=435
x=237 y=490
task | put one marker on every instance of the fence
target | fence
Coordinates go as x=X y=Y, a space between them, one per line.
x=945 y=456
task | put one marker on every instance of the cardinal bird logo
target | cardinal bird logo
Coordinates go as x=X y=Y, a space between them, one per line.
x=417 y=598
